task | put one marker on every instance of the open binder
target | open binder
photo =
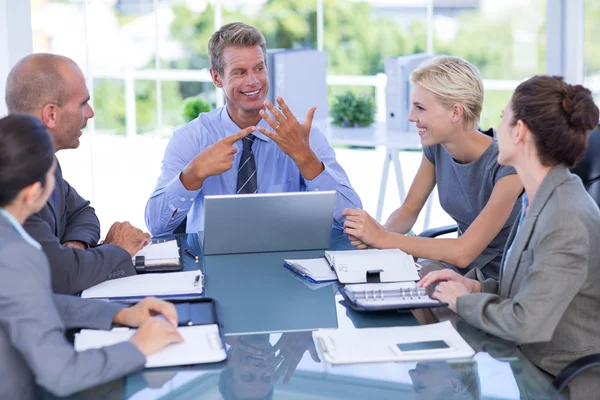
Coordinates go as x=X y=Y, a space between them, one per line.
x=387 y=296
x=158 y=256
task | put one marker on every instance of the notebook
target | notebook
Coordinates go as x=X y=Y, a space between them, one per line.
x=160 y=256
x=202 y=344
x=373 y=265
x=404 y=343
x=159 y=285
x=315 y=270
x=387 y=296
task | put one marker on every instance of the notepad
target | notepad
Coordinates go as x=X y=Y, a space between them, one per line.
x=315 y=269
x=384 y=296
x=357 y=266
x=159 y=285
x=406 y=343
x=157 y=254
x=202 y=344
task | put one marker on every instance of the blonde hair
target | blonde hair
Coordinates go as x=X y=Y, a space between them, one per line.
x=235 y=34
x=453 y=80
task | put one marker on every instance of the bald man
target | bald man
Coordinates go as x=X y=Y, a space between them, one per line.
x=52 y=88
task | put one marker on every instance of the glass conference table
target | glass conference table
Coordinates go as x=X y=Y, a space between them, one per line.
x=268 y=314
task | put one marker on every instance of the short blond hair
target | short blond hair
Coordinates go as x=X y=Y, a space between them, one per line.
x=235 y=34
x=453 y=80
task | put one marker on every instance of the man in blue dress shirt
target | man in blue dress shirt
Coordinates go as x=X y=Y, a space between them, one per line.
x=239 y=148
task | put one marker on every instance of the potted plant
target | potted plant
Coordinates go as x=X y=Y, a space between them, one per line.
x=351 y=110
x=194 y=106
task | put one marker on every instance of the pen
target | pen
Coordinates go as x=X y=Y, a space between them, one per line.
x=189 y=253
x=197 y=280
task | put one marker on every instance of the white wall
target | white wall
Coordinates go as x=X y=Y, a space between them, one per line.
x=15 y=39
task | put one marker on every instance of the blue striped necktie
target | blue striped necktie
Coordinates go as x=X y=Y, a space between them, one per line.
x=246 y=181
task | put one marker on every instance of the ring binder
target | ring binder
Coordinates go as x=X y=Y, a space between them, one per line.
x=387 y=296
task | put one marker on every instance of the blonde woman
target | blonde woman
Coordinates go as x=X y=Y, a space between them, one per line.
x=476 y=191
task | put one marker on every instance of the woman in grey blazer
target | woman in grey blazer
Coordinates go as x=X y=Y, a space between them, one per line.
x=547 y=299
x=33 y=320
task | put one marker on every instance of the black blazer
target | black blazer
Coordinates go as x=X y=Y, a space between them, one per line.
x=66 y=217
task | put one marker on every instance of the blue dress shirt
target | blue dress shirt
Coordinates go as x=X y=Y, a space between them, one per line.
x=276 y=172
x=15 y=224
x=524 y=205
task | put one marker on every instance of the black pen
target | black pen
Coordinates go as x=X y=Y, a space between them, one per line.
x=189 y=253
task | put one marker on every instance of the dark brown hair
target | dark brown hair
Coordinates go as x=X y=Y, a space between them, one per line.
x=26 y=155
x=559 y=116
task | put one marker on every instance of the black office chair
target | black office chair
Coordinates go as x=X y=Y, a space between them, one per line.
x=588 y=169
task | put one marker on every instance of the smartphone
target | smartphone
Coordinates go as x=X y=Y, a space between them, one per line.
x=419 y=346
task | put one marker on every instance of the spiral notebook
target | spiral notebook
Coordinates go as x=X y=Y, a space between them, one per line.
x=387 y=296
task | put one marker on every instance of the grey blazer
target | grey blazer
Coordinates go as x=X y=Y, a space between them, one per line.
x=33 y=348
x=67 y=216
x=548 y=296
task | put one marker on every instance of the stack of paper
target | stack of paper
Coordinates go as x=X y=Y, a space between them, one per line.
x=160 y=285
x=201 y=344
x=405 y=343
x=315 y=270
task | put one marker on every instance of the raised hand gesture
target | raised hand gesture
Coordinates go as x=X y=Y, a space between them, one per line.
x=213 y=160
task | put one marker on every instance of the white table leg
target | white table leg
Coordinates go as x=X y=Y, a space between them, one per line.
x=383 y=186
x=395 y=154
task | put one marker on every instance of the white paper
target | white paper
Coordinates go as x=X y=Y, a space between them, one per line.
x=317 y=269
x=164 y=251
x=352 y=266
x=172 y=283
x=201 y=344
x=370 y=345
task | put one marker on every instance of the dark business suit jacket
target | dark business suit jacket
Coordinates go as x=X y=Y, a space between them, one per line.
x=33 y=348
x=66 y=217
x=548 y=296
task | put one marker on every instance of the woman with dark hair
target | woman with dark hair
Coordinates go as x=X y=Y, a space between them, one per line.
x=548 y=295
x=33 y=320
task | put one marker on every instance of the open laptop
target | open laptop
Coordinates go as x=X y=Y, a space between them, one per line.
x=252 y=223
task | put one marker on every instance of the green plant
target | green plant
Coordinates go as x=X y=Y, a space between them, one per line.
x=193 y=107
x=351 y=110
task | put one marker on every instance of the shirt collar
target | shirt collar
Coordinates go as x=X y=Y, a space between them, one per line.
x=230 y=127
x=17 y=226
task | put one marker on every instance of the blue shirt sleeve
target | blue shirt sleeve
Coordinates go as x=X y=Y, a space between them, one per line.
x=170 y=202
x=333 y=177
